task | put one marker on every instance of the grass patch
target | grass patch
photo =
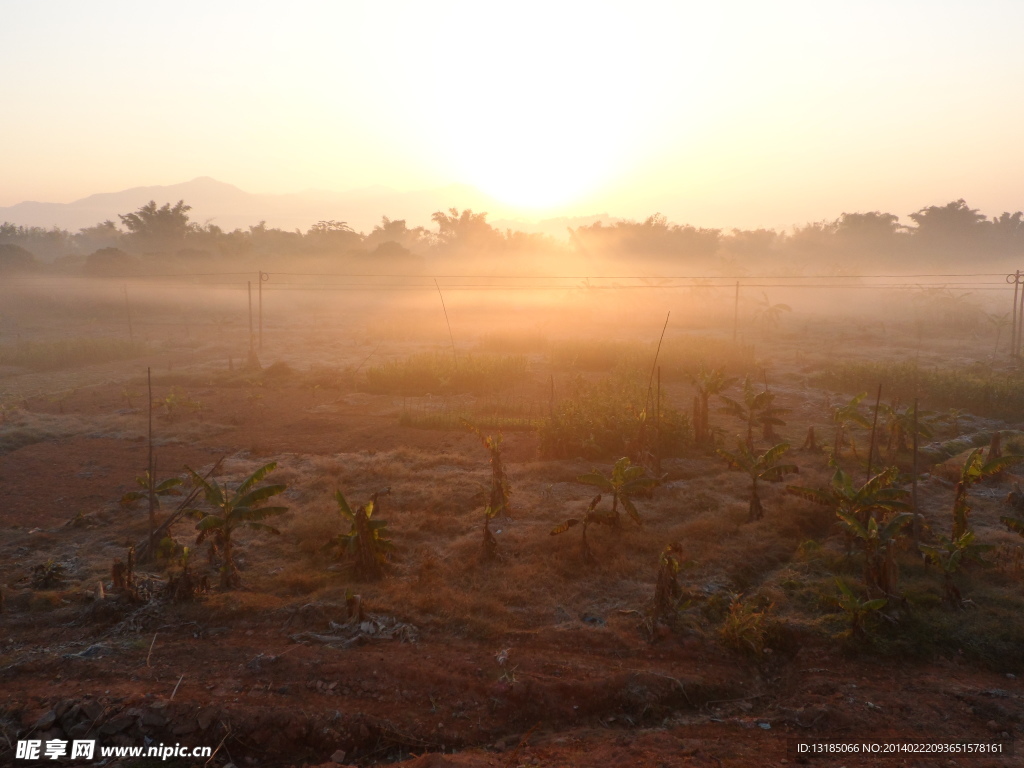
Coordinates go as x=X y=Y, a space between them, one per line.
x=680 y=356
x=68 y=353
x=602 y=420
x=978 y=389
x=440 y=373
x=450 y=420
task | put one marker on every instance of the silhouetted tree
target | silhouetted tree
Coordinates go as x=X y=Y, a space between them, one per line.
x=460 y=231
x=163 y=228
x=953 y=224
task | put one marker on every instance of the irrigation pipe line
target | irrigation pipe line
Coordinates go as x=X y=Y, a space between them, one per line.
x=509 y=277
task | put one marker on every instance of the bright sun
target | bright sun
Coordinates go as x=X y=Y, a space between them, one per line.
x=532 y=116
x=536 y=163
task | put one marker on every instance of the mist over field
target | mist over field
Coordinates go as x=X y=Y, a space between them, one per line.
x=511 y=385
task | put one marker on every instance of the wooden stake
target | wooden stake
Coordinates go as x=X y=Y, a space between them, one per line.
x=448 y=322
x=263 y=278
x=874 y=424
x=128 y=311
x=913 y=487
x=176 y=687
x=736 y=312
x=251 y=350
x=150 y=469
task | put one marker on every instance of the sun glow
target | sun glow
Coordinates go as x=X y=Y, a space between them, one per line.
x=539 y=117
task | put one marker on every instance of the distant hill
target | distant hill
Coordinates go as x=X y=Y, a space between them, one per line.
x=229 y=207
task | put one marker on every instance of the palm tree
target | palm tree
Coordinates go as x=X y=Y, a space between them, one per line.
x=763 y=466
x=240 y=508
x=627 y=480
x=708 y=383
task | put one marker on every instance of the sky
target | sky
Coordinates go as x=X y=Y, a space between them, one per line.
x=741 y=113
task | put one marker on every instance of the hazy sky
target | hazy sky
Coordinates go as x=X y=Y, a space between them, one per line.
x=720 y=114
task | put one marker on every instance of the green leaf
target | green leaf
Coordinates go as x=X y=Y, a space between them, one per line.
x=343 y=506
x=824 y=498
x=631 y=509
x=210 y=522
x=572 y=521
x=169 y=487
x=596 y=479
x=259 y=513
x=259 y=494
x=255 y=477
x=263 y=527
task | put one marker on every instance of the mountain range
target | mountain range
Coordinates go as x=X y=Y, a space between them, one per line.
x=227 y=206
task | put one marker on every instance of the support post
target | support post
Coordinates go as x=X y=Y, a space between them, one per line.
x=128 y=311
x=913 y=487
x=263 y=278
x=874 y=426
x=150 y=469
x=736 y=312
x=249 y=283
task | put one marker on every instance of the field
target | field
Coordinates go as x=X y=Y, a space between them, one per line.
x=693 y=626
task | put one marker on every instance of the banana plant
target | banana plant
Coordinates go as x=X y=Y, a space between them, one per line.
x=668 y=594
x=756 y=408
x=878 y=541
x=626 y=481
x=975 y=469
x=168 y=487
x=846 y=416
x=592 y=516
x=708 y=383
x=242 y=507
x=366 y=544
x=764 y=466
x=950 y=555
x=501 y=490
x=876 y=497
x=898 y=426
x=769 y=315
x=857 y=610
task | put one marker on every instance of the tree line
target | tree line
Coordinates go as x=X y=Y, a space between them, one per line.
x=156 y=235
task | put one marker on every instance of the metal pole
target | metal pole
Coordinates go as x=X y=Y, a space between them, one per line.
x=874 y=425
x=736 y=312
x=1013 y=328
x=150 y=469
x=249 y=283
x=128 y=309
x=263 y=278
x=1020 y=321
x=913 y=487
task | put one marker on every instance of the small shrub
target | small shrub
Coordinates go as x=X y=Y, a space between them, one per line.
x=49 y=575
x=745 y=627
